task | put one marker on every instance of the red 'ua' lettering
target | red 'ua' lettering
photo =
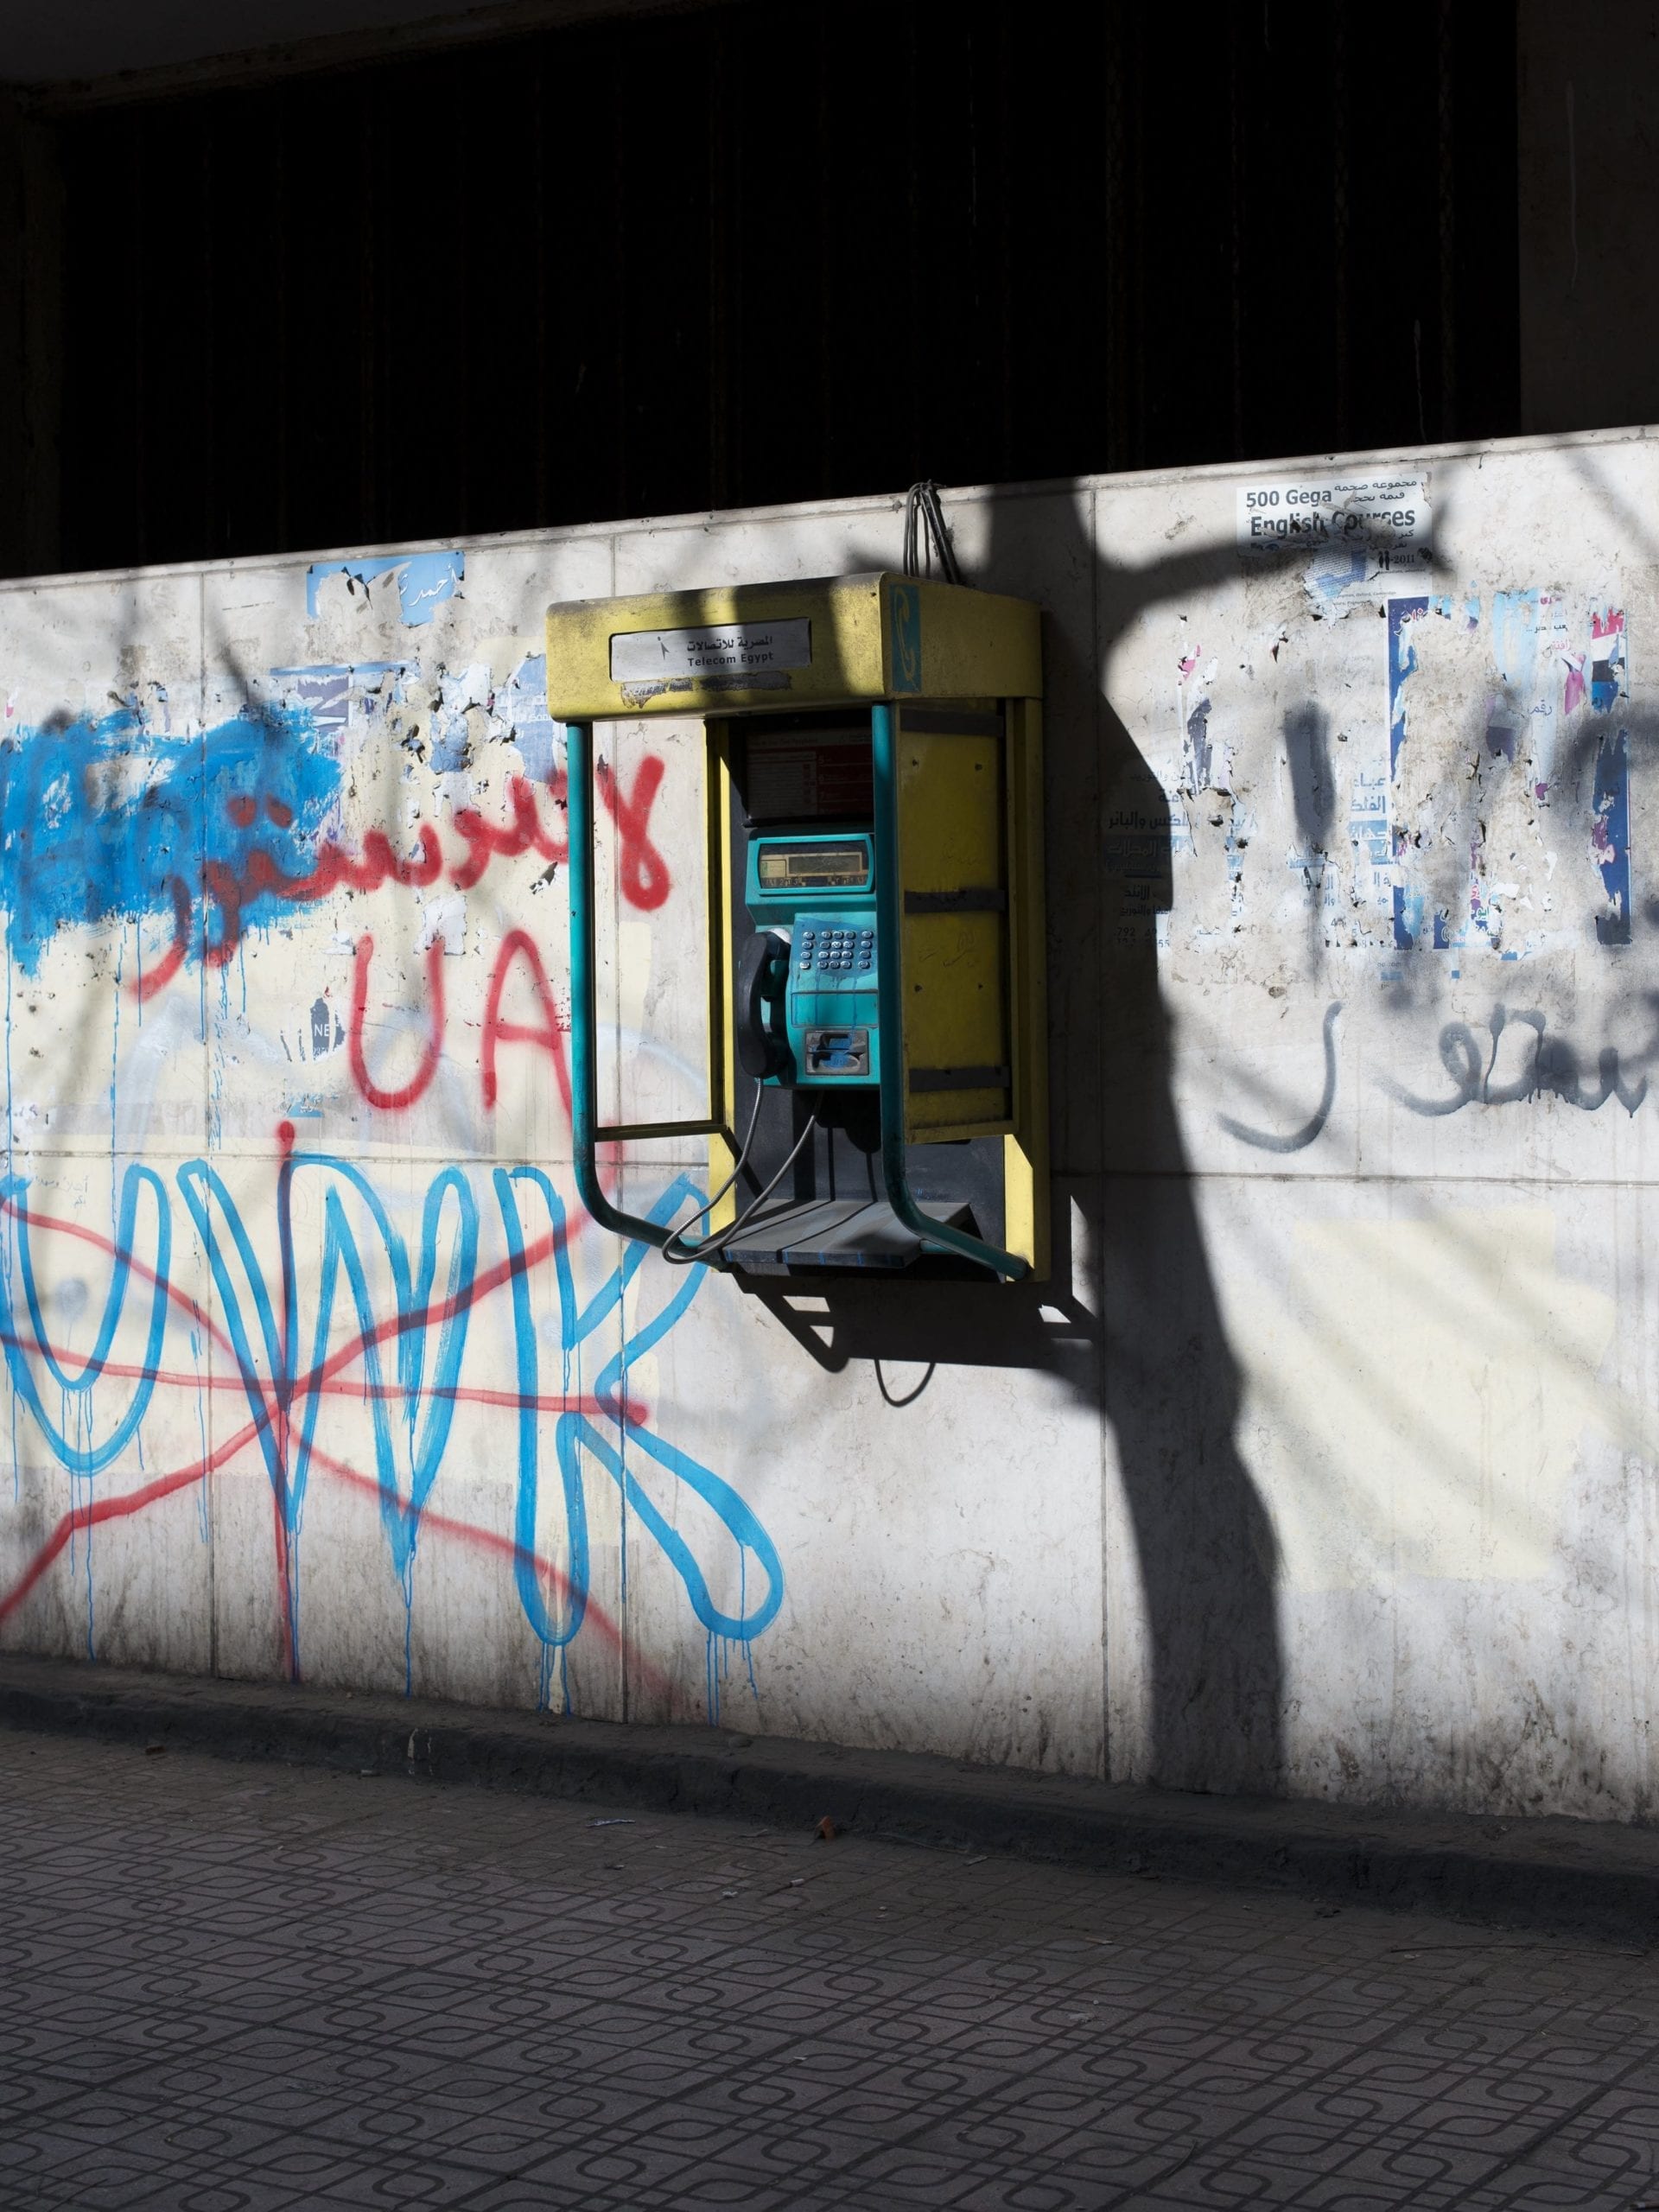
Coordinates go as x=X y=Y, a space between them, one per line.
x=391 y=1101
x=519 y=944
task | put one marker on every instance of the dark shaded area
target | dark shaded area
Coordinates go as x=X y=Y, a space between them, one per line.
x=31 y=314
x=1312 y=781
x=763 y=253
x=1170 y=1386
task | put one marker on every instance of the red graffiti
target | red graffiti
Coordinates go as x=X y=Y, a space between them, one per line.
x=642 y=871
x=392 y=1102
x=172 y=960
x=546 y=1031
x=519 y=946
x=524 y=834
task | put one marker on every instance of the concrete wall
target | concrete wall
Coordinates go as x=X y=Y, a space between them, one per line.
x=1327 y=1462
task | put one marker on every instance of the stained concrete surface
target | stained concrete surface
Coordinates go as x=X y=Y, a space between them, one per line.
x=229 y=1988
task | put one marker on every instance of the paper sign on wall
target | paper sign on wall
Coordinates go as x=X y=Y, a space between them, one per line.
x=1358 y=532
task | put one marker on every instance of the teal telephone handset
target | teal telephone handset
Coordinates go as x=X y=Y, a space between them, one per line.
x=823 y=978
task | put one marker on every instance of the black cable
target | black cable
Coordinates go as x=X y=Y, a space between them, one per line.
x=702 y=1213
x=723 y=1237
x=924 y=513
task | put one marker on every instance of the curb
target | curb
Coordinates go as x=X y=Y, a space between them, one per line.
x=1598 y=1879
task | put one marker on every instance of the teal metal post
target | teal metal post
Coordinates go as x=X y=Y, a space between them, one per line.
x=890 y=1004
x=584 y=1013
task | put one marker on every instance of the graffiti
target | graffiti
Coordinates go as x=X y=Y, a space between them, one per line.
x=518 y=952
x=1313 y=1127
x=518 y=949
x=80 y=1454
x=395 y=1099
x=1554 y=1068
x=286 y=1355
x=343 y=1319
x=238 y=892
x=105 y=821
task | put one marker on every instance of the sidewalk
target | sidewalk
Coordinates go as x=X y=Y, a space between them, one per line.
x=1595 y=1879
x=282 y=1988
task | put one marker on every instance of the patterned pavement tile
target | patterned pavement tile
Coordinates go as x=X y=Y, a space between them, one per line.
x=296 y=1989
x=106 y=2181
x=1339 y=2193
x=558 y=2100
x=401 y=2185
x=1587 y=2161
x=635 y=2172
x=245 y=2194
x=372 y=2128
x=901 y=2175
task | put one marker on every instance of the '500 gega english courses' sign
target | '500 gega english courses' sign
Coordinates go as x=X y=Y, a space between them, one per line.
x=1354 y=529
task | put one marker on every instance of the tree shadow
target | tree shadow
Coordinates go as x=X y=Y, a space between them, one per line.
x=1211 y=1673
x=1131 y=1323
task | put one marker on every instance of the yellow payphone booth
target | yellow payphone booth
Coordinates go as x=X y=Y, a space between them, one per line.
x=875 y=957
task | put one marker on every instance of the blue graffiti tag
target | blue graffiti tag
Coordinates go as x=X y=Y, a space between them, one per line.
x=86 y=1457
x=576 y=1429
x=288 y=1445
x=286 y=1368
x=104 y=820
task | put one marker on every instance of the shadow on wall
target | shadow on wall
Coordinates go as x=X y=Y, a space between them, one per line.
x=1169 y=1389
x=1155 y=1365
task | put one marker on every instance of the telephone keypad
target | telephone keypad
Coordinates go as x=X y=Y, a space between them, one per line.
x=833 y=985
x=825 y=950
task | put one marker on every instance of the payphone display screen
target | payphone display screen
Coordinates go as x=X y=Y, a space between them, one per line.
x=842 y=866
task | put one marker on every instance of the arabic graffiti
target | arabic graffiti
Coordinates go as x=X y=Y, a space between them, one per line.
x=1553 y=1067
x=104 y=821
x=1298 y=1140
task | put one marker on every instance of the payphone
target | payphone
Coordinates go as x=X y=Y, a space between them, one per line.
x=819 y=895
x=875 y=960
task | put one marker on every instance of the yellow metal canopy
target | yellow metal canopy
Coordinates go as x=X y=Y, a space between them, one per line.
x=824 y=642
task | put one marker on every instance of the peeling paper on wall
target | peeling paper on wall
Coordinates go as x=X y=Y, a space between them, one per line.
x=424 y=580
